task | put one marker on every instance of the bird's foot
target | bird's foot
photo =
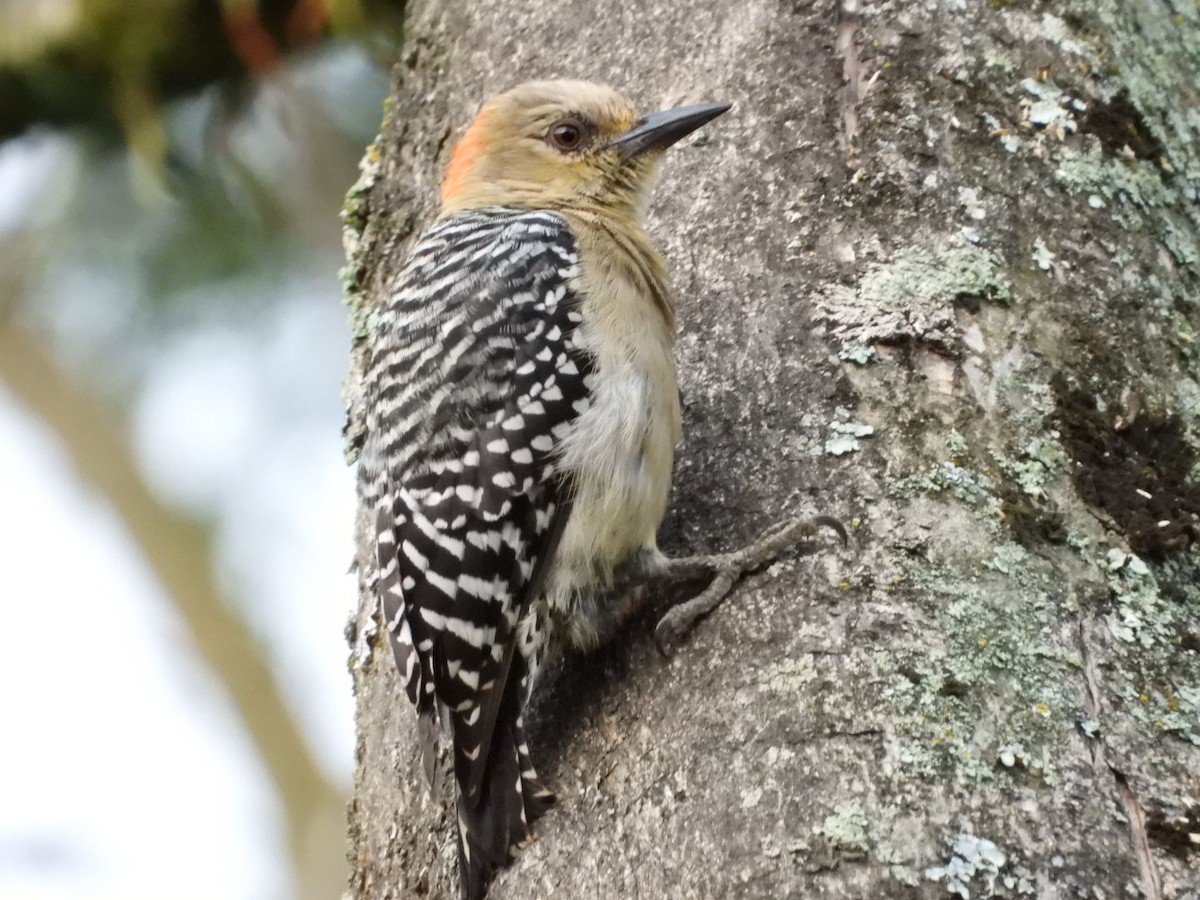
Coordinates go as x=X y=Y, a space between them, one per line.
x=725 y=569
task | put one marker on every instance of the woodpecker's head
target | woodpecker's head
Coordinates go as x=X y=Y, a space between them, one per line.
x=564 y=145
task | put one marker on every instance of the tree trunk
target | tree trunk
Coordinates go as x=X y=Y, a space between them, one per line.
x=938 y=275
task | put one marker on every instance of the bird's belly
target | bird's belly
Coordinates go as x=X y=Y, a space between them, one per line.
x=618 y=456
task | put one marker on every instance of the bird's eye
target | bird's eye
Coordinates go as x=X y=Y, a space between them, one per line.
x=567 y=134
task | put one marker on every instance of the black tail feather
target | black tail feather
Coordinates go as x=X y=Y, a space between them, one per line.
x=500 y=819
x=536 y=797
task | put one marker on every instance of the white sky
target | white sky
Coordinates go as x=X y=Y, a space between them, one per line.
x=121 y=762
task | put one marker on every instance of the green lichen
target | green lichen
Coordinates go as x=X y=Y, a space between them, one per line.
x=1159 y=678
x=1139 y=617
x=1156 y=48
x=1181 y=243
x=914 y=296
x=996 y=691
x=1042 y=257
x=1040 y=461
x=1051 y=107
x=1152 y=48
x=354 y=207
x=844 y=437
x=995 y=681
x=978 y=864
x=972 y=488
x=355 y=216
x=1139 y=197
x=940 y=278
x=789 y=677
x=847 y=829
x=1182 y=714
x=1056 y=30
x=1008 y=558
x=859 y=354
x=1132 y=181
x=956 y=444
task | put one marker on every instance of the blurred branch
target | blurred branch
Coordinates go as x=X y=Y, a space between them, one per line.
x=178 y=550
x=110 y=66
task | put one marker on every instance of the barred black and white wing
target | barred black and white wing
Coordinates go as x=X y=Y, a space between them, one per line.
x=474 y=380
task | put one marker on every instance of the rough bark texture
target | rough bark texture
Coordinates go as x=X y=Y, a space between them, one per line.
x=938 y=276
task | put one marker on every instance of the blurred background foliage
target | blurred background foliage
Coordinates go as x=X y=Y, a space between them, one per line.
x=175 y=512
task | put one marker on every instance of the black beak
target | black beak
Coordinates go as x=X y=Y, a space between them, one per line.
x=660 y=130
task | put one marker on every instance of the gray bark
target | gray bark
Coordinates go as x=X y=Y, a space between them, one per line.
x=937 y=276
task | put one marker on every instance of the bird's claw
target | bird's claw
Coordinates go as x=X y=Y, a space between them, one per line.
x=830 y=522
x=730 y=567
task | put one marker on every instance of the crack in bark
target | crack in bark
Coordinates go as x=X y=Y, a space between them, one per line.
x=854 y=86
x=1139 y=836
x=1151 y=886
x=1092 y=702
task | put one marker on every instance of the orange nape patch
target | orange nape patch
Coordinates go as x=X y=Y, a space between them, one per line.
x=466 y=152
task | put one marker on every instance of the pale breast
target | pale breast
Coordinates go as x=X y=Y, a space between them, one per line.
x=619 y=451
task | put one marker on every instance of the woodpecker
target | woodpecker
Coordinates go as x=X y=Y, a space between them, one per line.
x=522 y=411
